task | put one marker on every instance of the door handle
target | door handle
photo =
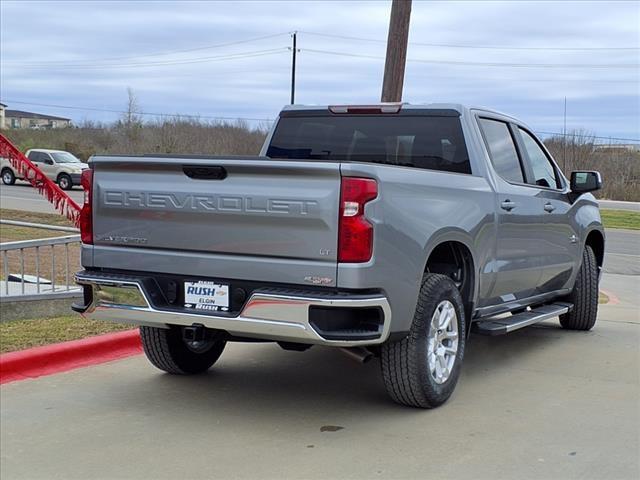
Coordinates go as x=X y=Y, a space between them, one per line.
x=548 y=207
x=204 y=172
x=508 y=205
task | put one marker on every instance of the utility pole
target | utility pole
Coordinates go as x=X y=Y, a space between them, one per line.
x=293 y=69
x=396 y=51
x=564 y=138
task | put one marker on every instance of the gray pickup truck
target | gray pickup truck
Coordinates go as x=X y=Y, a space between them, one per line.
x=388 y=230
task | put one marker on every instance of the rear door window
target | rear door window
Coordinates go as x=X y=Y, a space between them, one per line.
x=429 y=142
x=502 y=150
x=40 y=157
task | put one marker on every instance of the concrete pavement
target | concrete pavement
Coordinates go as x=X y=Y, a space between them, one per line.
x=624 y=305
x=622 y=249
x=23 y=196
x=538 y=403
x=619 y=205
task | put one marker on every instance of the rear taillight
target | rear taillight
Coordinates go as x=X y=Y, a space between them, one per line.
x=86 y=217
x=355 y=234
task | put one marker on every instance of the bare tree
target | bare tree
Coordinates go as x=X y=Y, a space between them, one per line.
x=131 y=121
x=132 y=115
x=619 y=165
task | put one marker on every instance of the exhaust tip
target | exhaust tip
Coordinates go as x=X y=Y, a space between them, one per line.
x=359 y=354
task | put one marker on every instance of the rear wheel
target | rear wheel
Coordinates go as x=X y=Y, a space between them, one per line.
x=422 y=369
x=8 y=177
x=167 y=350
x=584 y=295
x=64 y=182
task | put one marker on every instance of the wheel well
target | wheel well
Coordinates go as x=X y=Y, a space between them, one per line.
x=5 y=169
x=62 y=174
x=596 y=241
x=454 y=260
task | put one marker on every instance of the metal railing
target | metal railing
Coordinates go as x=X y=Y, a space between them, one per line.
x=42 y=226
x=34 y=250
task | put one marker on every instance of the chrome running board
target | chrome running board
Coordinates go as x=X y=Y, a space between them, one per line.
x=502 y=325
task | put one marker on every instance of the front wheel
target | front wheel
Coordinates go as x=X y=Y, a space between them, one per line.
x=422 y=369
x=584 y=295
x=8 y=177
x=169 y=351
x=64 y=182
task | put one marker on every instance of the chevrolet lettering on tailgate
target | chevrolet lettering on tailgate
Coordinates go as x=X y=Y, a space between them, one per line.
x=170 y=201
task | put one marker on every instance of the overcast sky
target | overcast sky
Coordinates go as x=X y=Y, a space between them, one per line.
x=231 y=59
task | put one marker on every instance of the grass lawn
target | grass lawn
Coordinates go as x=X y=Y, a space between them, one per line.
x=620 y=219
x=21 y=334
x=34 y=217
x=9 y=233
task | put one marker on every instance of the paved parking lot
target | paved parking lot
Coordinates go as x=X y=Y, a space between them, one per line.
x=539 y=403
x=22 y=196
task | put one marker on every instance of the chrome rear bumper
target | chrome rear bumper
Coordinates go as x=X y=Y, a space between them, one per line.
x=265 y=315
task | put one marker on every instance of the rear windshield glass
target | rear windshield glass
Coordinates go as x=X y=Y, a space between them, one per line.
x=434 y=143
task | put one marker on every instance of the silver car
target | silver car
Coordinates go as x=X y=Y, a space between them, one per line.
x=62 y=167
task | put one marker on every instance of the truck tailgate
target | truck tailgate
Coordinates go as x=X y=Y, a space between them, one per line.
x=230 y=206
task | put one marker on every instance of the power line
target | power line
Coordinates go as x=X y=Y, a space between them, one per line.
x=586 y=135
x=178 y=115
x=486 y=47
x=156 y=54
x=233 y=56
x=481 y=64
x=171 y=115
x=520 y=81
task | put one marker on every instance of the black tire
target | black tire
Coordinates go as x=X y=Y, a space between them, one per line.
x=65 y=182
x=584 y=295
x=8 y=177
x=405 y=365
x=167 y=351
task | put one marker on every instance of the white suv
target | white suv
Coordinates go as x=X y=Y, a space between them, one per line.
x=60 y=166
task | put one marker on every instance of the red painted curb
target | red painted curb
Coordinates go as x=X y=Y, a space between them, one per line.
x=613 y=300
x=61 y=357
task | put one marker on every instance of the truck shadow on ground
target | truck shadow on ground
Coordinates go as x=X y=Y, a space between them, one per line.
x=262 y=379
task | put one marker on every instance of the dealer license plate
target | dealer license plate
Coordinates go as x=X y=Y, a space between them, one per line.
x=206 y=295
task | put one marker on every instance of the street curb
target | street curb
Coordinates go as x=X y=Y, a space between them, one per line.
x=61 y=357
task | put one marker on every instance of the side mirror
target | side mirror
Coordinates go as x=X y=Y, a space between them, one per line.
x=582 y=182
x=48 y=161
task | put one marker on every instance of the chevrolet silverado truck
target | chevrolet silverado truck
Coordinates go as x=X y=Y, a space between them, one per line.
x=388 y=230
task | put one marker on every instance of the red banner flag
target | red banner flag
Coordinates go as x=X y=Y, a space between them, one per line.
x=28 y=171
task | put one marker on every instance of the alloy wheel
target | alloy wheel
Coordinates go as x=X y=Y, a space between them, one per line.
x=443 y=341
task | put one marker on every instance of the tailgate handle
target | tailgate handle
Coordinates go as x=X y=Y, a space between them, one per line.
x=200 y=172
